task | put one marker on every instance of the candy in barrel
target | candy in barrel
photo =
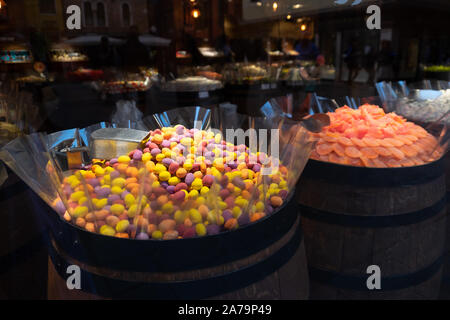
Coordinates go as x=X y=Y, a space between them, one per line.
x=183 y=213
x=373 y=198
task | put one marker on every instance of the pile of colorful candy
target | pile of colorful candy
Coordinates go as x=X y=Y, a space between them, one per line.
x=182 y=183
x=369 y=137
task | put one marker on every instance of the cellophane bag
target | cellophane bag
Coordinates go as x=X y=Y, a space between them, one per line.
x=188 y=172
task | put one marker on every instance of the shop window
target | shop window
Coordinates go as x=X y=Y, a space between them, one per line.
x=47 y=6
x=126 y=15
x=101 y=15
x=88 y=14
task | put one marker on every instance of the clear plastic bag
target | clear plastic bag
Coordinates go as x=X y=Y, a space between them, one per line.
x=246 y=171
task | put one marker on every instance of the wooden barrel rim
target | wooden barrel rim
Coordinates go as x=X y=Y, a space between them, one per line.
x=373 y=177
x=190 y=275
x=196 y=285
x=117 y=253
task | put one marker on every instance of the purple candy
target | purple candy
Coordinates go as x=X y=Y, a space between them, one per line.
x=167 y=161
x=256 y=167
x=227 y=215
x=137 y=155
x=142 y=236
x=212 y=229
x=113 y=161
x=283 y=194
x=59 y=207
x=123 y=194
x=114 y=174
x=232 y=165
x=107 y=208
x=189 y=178
x=93 y=182
x=269 y=209
x=112 y=198
x=165 y=144
x=180 y=130
x=164 y=184
x=103 y=192
x=170 y=189
x=155 y=152
x=243 y=219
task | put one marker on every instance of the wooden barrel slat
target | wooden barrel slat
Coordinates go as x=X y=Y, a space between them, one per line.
x=277 y=271
x=348 y=227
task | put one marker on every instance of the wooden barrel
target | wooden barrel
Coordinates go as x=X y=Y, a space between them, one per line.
x=265 y=260
x=353 y=218
x=23 y=254
x=445 y=287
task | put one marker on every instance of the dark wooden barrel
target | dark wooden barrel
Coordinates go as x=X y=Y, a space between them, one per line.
x=445 y=287
x=394 y=218
x=23 y=254
x=265 y=260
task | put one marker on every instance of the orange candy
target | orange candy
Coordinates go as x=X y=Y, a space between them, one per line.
x=369 y=137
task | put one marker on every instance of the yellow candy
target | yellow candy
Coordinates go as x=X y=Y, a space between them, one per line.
x=218 y=138
x=129 y=199
x=236 y=212
x=117 y=209
x=204 y=190
x=167 y=207
x=174 y=181
x=283 y=184
x=116 y=190
x=119 y=182
x=157 y=234
x=107 y=230
x=200 y=200
x=107 y=179
x=200 y=229
x=132 y=211
x=80 y=212
x=124 y=159
x=155 y=184
x=146 y=157
x=108 y=170
x=75 y=183
x=195 y=216
x=150 y=165
x=82 y=200
x=159 y=168
x=101 y=203
x=241 y=202
x=160 y=157
x=180 y=216
x=187 y=165
x=164 y=175
x=222 y=205
x=186 y=141
x=77 y=195
x=197 y=184
x=193 y=194
x=260 y=206
x=122 y=225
